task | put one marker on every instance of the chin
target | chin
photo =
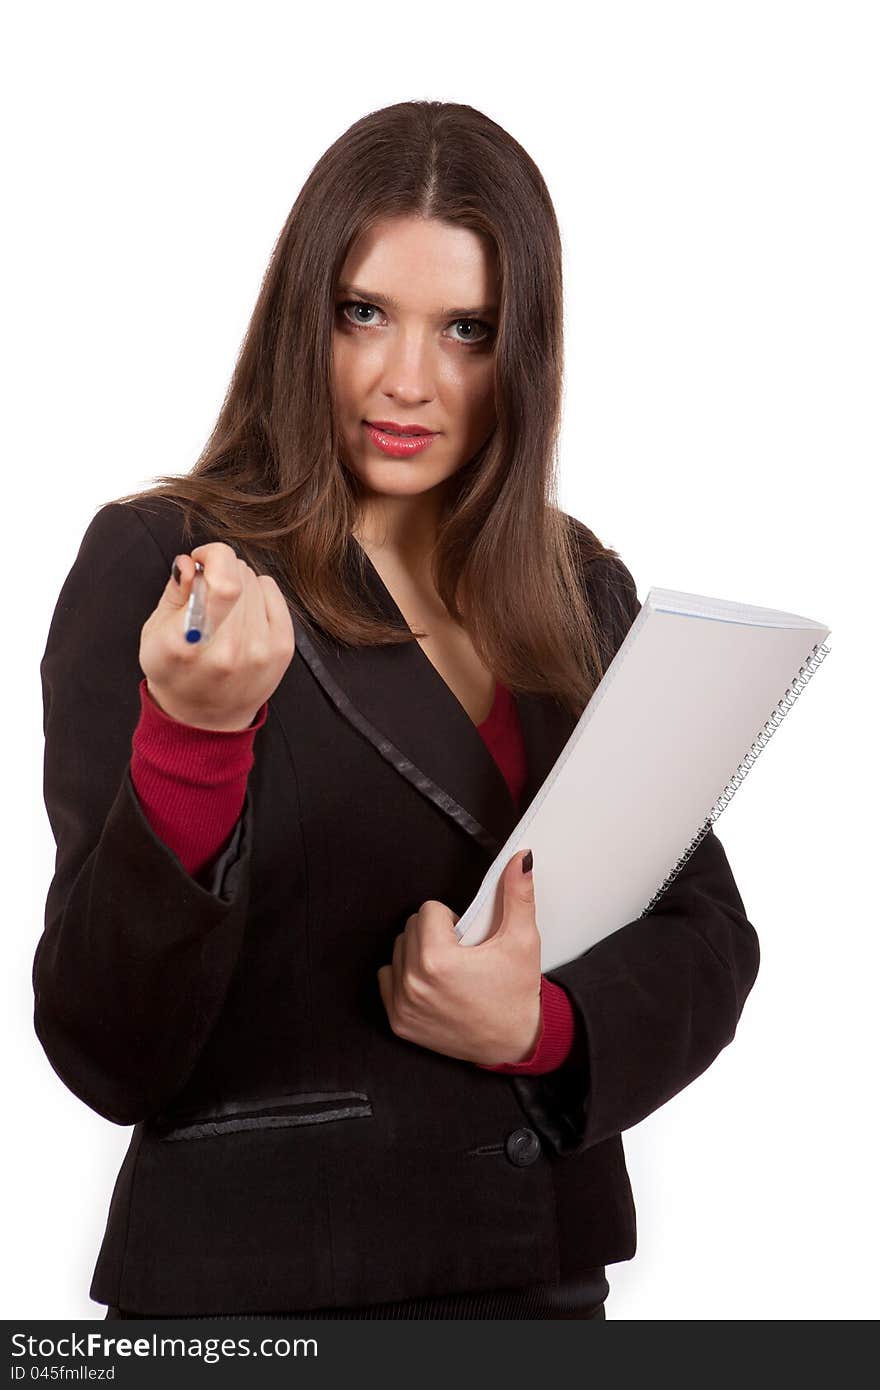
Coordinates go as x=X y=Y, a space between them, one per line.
x=404 y=475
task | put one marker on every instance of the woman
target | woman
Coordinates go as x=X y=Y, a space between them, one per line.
x=266 y=838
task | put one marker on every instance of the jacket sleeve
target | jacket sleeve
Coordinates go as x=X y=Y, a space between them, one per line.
x=136 y=956
x=657 y=1000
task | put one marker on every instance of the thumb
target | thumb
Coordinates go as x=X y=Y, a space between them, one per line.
x=177 y=590
x=519 y=889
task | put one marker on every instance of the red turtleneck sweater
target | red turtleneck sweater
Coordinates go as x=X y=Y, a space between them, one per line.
x=192 y=782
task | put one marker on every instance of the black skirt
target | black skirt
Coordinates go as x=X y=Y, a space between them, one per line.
x=582 y=1298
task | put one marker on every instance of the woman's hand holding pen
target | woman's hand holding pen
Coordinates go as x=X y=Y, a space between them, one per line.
x=480 y=1003
x=221 y=681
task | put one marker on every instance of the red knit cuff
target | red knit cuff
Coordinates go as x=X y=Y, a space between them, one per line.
x=156 y=719
x=555 y=1038
x=190 y=782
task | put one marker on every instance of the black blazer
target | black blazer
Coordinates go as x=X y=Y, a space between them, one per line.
x=289 y=1150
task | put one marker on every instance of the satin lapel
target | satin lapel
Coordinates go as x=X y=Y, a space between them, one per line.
x=395 y=697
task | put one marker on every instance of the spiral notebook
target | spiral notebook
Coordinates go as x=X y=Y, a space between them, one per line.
x=693 y=695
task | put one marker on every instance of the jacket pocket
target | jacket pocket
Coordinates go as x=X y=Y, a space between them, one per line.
x=272 y=1112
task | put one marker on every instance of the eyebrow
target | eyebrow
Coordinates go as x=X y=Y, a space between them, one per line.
x=386 y=301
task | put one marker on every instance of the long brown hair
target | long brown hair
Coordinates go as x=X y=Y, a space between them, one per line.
x=269 y=480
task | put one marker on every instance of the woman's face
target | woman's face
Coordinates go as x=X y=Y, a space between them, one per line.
x=415 y=319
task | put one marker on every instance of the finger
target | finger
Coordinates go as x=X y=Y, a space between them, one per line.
x=277 y=608
x=411 y=946
x=270 y=615
x=435 y=933
x=262 y=612
x=176 y=592
x=518 y=899
x=382 y=975
x=253 y=625
x=397 y=967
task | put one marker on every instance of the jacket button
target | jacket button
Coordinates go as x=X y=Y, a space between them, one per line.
x=522 y=1147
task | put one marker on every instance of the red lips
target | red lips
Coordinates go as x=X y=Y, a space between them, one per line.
x=400 y=429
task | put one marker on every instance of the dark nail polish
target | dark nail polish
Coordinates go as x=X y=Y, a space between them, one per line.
x=175 y=570
x=527 y=863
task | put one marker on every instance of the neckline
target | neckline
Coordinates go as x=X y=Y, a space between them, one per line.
x=392 y=603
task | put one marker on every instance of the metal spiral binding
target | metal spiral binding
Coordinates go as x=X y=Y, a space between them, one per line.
x=805 y=673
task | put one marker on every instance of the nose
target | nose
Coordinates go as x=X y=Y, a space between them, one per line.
x=409 y=368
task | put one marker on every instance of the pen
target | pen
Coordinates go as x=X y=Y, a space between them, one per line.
x=195 y=622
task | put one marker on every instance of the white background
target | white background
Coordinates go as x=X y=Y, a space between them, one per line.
x=714 y=171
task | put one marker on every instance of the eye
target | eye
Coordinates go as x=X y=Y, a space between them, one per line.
x=361 y=304
x=357 y=304
x=488 y=331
